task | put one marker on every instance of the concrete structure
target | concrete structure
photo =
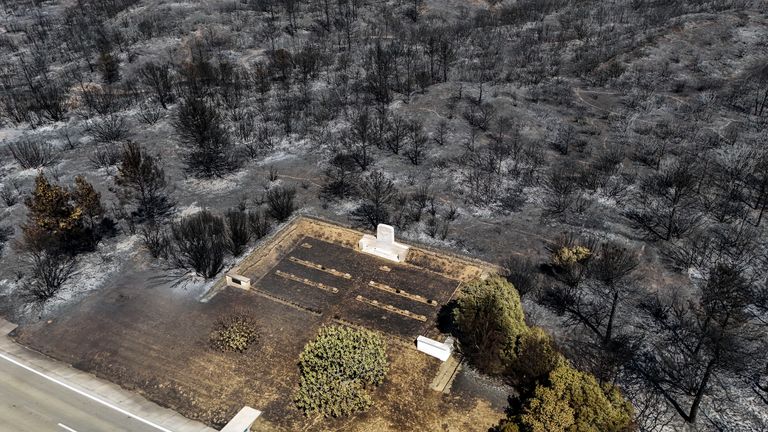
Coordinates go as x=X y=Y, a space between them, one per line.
x=440 y=350
x=243 y=421
x=446 y=374
x=384 y=244
x=236 y=280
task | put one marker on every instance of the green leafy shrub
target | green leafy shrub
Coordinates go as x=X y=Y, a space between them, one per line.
x=570 y=257
x=337 y=369
x=554 y=396
x=489 y=319
x=507 y=427
x=566 y=256
x=535 y=357
x=235 y=332
x=573 y=401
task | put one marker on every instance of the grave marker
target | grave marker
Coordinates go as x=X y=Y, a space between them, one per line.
x=384 y=244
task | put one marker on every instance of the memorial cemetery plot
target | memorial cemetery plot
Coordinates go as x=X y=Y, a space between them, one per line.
x=144 y=336
x=344 y=284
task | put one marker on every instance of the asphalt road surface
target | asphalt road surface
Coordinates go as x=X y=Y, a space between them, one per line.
x=30 y=402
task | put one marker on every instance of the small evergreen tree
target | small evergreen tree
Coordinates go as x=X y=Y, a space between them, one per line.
x=51 y=209
x=490 y=320
x=535 y=357
x=573 y=401
x=60 y=224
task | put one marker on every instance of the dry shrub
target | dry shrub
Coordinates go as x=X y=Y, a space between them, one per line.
x=30 y=153
x=235 y=332
x=199 y=242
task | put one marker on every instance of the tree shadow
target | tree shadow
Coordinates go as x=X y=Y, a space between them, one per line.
x=445 y=321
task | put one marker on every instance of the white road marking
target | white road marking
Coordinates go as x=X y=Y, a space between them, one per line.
x=89 y=396
x=65 y=427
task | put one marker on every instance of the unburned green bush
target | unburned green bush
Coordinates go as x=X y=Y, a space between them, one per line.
x=489 y=318
x=573 y=401
x=554 y=396
x=535 y=357
x=337 y=369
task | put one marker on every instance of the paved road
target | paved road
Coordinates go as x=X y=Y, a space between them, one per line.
x=31 y=403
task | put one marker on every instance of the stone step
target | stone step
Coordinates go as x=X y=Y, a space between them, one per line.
x=446 y=374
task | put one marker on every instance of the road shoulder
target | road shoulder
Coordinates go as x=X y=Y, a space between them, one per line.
x=97 y=388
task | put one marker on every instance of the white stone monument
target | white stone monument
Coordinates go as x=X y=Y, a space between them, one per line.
x=384 y=244
x=236 y=280
x=440 y=350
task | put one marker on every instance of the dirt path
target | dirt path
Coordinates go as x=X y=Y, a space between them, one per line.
x=300 y=178
x=578 y=92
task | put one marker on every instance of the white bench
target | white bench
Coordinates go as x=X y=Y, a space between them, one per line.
x=384 y=244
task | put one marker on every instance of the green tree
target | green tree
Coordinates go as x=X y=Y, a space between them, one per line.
x=573 y=401
x=55 y=232
x=337 y=369
x=489 y=318
x=535 y=357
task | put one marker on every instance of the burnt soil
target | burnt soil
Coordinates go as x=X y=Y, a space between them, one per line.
x=363 y=269
x=153 y=339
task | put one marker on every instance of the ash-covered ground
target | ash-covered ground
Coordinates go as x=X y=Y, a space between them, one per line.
x=502 y=130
